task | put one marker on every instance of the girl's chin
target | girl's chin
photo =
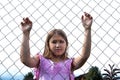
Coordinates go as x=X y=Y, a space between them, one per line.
x=59 y=54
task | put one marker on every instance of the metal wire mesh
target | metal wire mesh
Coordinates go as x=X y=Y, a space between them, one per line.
x=63 y=14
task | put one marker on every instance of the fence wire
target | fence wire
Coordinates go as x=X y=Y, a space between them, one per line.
x=63 y=14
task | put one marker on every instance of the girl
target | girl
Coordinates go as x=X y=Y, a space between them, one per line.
x=54 y=63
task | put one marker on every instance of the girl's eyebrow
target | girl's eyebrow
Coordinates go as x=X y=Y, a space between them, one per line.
x=58 y=40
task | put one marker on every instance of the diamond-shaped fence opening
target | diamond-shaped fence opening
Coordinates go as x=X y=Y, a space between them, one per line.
x=64 y=14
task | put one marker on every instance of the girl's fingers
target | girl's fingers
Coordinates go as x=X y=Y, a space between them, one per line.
x=22 y=23
x=82 y=17
x=26 y=21
x=91 y=17
x=88 y=15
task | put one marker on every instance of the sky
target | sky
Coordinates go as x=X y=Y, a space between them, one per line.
x=64 y=14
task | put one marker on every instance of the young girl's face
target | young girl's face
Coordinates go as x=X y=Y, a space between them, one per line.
x=57 y=45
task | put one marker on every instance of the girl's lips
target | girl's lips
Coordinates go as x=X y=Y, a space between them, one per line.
x=58 y=50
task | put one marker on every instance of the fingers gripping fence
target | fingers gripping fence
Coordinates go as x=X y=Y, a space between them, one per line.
x=63 y=14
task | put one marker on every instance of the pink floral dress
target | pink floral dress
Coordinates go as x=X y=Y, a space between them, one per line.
x=49 y=70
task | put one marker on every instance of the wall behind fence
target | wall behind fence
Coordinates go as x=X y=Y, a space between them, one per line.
x=63 y=14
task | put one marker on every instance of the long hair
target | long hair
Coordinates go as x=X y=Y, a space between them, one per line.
x=47 y=52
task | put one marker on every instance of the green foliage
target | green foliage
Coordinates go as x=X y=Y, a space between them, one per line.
x=112 y=73
x=93 y=74
x=28 y=76
x=80 y=77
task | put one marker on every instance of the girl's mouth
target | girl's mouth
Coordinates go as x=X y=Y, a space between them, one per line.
x=58 y=50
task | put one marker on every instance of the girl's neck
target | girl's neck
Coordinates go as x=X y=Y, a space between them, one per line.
x=56 y=59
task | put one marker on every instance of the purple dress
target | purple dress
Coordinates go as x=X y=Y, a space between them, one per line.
x=49 y=70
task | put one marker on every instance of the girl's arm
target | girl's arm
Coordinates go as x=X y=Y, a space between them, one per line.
x=86 y=49
x=25 y=49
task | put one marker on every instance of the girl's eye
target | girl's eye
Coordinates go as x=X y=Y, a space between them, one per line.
x=54 y=41
x=61 y=41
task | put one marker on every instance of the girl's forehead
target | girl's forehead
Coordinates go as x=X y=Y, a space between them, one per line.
x=57 y=36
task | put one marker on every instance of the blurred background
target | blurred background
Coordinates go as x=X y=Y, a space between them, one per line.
x=63 y=14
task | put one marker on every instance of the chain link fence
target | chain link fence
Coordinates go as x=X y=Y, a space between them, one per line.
x=63 y=14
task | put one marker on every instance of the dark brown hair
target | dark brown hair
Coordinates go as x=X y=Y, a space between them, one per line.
x=47 y=52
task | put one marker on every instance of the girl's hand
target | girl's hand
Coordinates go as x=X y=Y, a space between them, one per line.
x=26 y=25
x=87 y=20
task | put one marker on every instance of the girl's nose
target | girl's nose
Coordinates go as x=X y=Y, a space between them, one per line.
x=57 y=45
